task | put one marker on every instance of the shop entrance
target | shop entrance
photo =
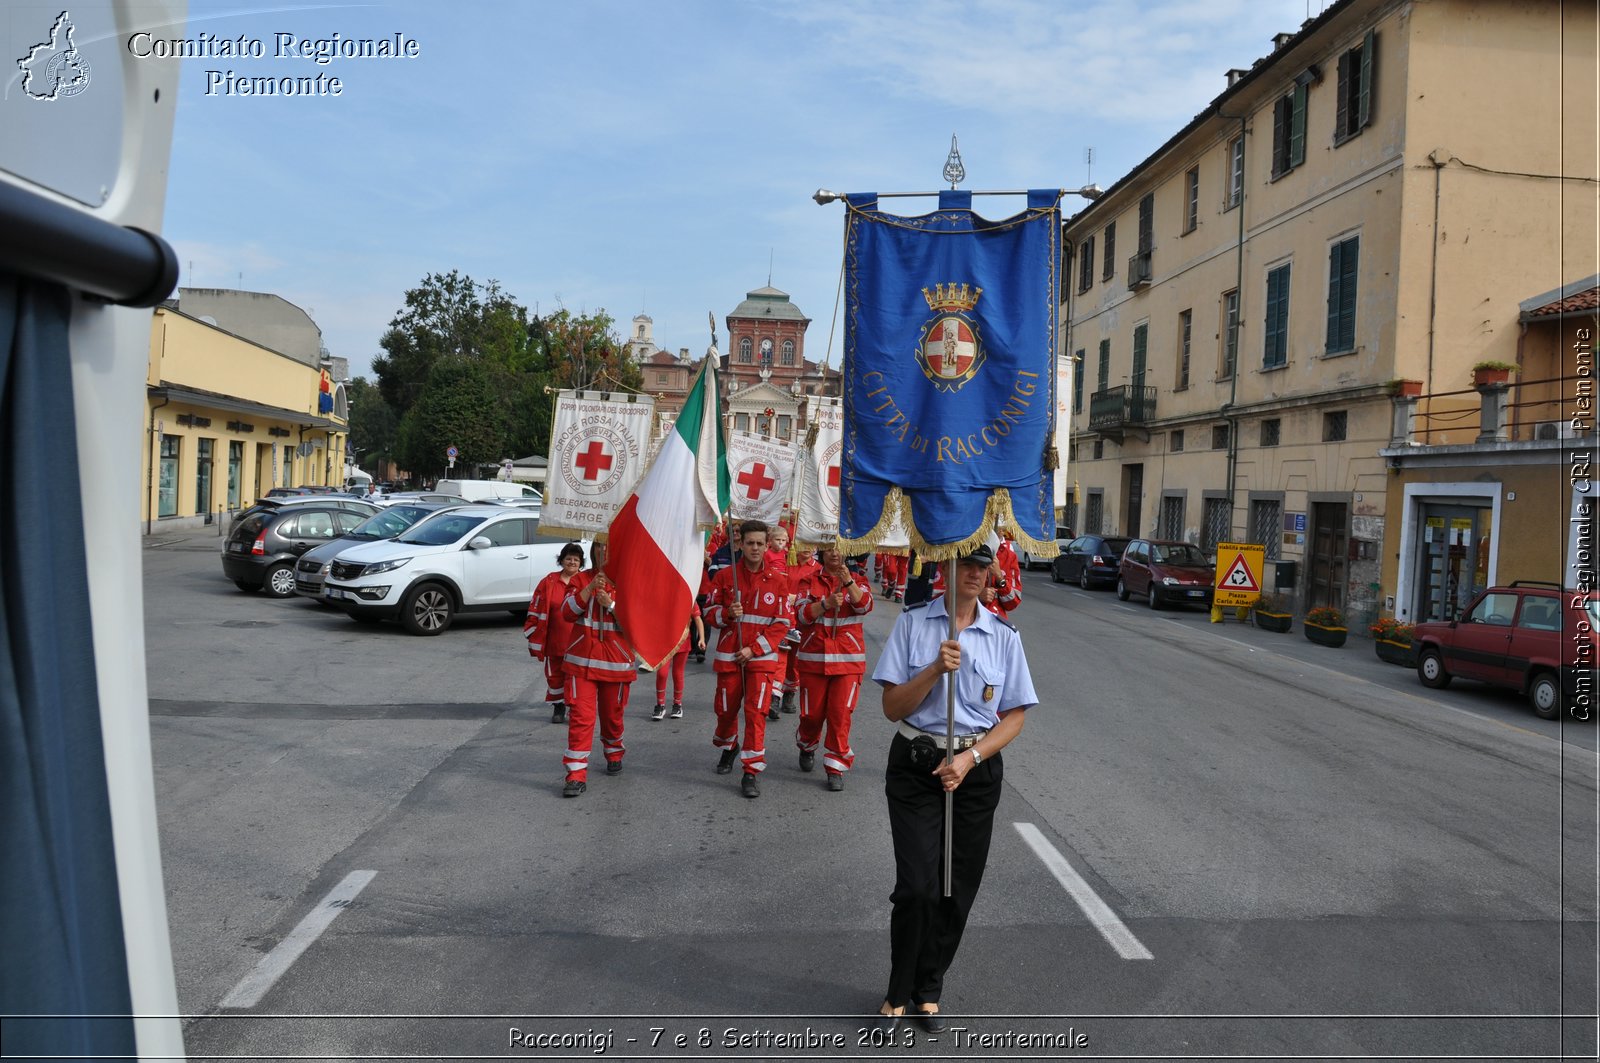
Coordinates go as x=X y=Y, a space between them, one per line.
x=1452 y=561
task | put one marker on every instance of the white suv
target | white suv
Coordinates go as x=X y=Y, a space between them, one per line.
x=469 y=559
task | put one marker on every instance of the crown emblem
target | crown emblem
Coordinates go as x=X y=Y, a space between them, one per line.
x=952 y=296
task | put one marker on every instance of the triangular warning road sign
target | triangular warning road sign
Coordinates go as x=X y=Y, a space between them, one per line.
x=1239 y=577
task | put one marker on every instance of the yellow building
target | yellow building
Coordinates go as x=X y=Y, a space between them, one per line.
x=1368 y=203
x=229 y=419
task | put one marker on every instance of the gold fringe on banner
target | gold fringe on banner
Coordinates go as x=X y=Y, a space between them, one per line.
x=997 y=514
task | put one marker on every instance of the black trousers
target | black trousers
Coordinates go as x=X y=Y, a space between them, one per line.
x=925 y=927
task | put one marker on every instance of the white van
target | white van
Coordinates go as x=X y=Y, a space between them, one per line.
x=488 y=490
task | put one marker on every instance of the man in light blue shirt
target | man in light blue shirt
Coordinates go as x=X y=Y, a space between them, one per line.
x=993 y=689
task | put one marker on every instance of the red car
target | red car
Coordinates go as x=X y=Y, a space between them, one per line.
x=1535 y=638
x=1165 y=572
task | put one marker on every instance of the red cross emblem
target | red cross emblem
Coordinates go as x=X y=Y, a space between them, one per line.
x=833 y=476
x=756 y=482
x=594 y=460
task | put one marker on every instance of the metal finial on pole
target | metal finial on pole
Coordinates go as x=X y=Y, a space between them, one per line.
x=954 y=172
x=711 y=316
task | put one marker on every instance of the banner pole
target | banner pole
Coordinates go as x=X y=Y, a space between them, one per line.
x=949 y=726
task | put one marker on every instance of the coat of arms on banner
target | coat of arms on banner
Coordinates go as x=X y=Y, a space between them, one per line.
x=597 y=447
x=949 y=351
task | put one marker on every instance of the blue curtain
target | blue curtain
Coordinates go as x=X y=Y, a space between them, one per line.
x=61 y=945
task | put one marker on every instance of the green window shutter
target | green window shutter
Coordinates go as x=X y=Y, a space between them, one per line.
x=1364 y=100
x=1297 y=127
x=1275 y=350
x=1350 y=258
x=1077 y=382
x=1280 y=136
x=1335 y=303
x=1140 y=335
x=1341 y=110
x=1105 y=364
x=1283 y=314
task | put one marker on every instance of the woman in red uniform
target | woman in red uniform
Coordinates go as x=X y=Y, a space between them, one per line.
x=548 y=631
x=600 y=672
x=832 y=658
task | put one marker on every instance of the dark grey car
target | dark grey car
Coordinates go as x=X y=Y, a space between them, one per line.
x=311 y=571
x=262 y=547
x=1089 y=560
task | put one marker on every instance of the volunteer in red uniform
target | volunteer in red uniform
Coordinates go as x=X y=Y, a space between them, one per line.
x=895 y=567
x=750 y=606
x=784 y=684
x=548 y=631
x=694 y=634
x=600 y=672
x=832 y=658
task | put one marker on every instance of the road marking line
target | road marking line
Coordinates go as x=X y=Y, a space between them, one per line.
x=1098 y=912
x=254 y=985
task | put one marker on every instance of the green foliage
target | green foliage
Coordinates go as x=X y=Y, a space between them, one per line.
x=1492 y=364
x=374 y=428
x=459 y=405
x=1269 y=603
x=1325 y=616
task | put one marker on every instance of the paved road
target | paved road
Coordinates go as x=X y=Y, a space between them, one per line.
x=1317 y=856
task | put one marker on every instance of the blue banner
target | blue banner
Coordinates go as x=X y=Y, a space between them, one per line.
x=949 y=374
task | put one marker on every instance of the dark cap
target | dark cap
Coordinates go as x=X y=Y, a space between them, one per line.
x=978 y=555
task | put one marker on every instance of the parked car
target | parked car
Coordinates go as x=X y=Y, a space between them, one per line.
x=1089 y=560
x=271 y=504
x=312 y=569
x=1534 y=638
x=1029 y=561
x=476 y=558
x=1165 y=571
x=260 y=550
x=417 y=496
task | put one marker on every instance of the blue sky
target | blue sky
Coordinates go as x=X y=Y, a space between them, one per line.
x=638 y=156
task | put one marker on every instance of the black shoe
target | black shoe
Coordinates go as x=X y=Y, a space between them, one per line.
x=699 y=658
x=659 y=712
x=725 y=762
x=677 y=710
x=772 y=713
x=932 y=1021
x=789 y=698
x=559 y=713
x=573 y=788
x=808 y=760
x=886 y=1023
x=749 y=787
x=614 y=767
x=835 y=782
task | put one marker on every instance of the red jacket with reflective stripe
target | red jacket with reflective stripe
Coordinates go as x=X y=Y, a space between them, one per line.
x=764 y=599
x=832 y=643
x=547 y=628
x=597 y=650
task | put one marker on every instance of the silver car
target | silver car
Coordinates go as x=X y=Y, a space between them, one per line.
x=311 y=571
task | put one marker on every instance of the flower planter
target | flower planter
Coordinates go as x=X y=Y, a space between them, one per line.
x=1325 y=636
x=1488 y=378
x=1405 y=389
x=1279 y=622
x=1402 y=653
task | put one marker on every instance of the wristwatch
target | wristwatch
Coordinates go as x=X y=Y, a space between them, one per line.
x=977 y=758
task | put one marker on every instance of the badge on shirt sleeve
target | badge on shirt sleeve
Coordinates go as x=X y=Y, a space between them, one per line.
x=988 y=693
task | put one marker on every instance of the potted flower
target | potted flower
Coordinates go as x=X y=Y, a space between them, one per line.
x=1403 y=389
x=1325 y=626
x=1393 y=641
x=1491 y=374
x=1272 y=614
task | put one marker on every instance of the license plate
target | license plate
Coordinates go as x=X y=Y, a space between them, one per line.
x=1197 y=594
x=237 y=548
x=333 y=592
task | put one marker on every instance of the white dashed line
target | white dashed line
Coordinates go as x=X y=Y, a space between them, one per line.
x=254 y=985
x=1098 y=912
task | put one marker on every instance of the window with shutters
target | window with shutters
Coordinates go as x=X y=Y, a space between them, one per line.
x=1235 y=173
x=1353 y=109
x=1185 y=327
x=1078 y=364
x=1230 y=335
x=1086 y=264
x=1104 y=374
x=1343 y=258
x=1266 y=525
x=1099 y=449
x=1108 y=262
x=1147 y=223
x=1191 y=200
x=1275 y=348
x=1289 y=131
x=1141 y=335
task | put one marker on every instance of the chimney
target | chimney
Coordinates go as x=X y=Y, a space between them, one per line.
x=1235 y=74
x=1281 y=39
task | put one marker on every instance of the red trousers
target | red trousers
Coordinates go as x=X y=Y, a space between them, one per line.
x=737 y=691
x=831 y=700
x=585 y=700
x=555 y=677
x=675 y=666
x=783 y=680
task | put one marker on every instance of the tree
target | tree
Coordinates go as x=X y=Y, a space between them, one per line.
x=460 y=406
x=450 y=314
x=584 y=351
x=374 y=428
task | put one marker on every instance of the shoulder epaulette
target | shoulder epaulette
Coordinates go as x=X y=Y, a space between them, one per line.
x=919 y=605
x=1006 y=622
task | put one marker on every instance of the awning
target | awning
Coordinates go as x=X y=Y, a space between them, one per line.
x=217 y=401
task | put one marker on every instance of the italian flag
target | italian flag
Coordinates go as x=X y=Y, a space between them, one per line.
x=656 y=553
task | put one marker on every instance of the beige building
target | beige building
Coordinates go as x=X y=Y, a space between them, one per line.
x=1368 y=203
x=229 y=419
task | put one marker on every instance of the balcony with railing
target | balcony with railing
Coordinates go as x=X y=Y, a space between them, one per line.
x=1115 y=410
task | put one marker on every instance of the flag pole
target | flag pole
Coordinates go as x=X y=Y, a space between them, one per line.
x=950 y=726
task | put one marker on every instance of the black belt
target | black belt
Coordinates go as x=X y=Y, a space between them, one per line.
x=960 y=744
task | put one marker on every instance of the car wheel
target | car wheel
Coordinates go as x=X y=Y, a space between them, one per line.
x=1055 y=573
x=1430 y=669
x=427 y=610
x=247 y=586
x=279 y=582
x=1122 y=589
x=1545 y=694
x=1153 y=597
x=1083 y=577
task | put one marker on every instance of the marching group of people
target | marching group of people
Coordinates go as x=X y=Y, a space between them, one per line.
x=791 y=638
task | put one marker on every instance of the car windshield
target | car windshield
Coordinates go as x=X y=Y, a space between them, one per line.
x=441 y=530
x=1177 y=555
x=1115 y=546
x=390 y=522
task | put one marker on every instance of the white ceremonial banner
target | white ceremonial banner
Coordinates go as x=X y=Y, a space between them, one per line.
x=817 y=513
x=597 y=456
x=761 y=469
